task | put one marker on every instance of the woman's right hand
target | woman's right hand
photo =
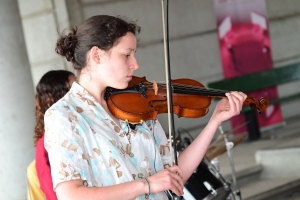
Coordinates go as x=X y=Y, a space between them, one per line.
x=167 y=179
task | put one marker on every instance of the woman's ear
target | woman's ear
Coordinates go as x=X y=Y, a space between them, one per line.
x=95 y=54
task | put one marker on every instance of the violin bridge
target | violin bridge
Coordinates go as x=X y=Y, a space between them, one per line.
x=155 y=88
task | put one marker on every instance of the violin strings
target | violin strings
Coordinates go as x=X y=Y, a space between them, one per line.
x=189 y=89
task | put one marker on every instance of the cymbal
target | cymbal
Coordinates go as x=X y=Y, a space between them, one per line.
x=218 y=149
x=221 y=136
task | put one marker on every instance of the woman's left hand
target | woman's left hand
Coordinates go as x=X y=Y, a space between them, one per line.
x=229 y=107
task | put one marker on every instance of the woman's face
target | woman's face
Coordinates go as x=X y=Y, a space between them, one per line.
x=118 y=64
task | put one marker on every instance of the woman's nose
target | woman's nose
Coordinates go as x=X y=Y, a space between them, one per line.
x=135 y=64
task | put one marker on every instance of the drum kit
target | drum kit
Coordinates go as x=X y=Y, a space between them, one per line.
x=207 y=182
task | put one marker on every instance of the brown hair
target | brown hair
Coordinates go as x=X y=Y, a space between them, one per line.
x=52 y=87
x=102 y=31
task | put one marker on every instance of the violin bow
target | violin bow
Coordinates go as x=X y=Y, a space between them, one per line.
x=169 y=85
x=173 y=153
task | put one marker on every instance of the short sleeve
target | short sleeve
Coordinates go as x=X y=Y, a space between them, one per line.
x=64 y=146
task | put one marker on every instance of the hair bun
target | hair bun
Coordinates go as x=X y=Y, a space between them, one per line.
x=66 y=44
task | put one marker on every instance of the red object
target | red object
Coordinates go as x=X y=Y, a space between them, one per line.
x=245 y=48
x=43 y=170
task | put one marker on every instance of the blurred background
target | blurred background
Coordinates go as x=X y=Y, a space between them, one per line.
x=29 y=30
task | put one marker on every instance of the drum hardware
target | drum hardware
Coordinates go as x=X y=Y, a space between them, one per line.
x=216 y=172
x=235 y=194
x=227 y=133
x=179 y=145
x=210 y=188
x=186 y=141
x=171 y=196
x=215 y=162
x=206 y=183
x=217 y=147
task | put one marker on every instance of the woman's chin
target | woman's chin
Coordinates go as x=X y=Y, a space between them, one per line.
x=121 y=87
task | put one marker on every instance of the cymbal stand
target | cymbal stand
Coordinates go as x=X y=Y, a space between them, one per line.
x=236 y=193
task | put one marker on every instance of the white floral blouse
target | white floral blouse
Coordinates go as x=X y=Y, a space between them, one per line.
x=83 y=142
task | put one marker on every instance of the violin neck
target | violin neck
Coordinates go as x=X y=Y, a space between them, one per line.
x=193 y=90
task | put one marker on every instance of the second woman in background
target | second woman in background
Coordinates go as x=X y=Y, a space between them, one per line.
x=52 y=87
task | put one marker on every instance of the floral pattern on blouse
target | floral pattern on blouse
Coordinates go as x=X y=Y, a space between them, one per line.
x=83 y=142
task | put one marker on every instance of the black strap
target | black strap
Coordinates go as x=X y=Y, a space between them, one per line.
x=132 y=126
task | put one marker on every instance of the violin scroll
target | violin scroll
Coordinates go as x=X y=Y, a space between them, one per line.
x=259 y=105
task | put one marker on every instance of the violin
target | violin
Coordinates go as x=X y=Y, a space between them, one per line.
x=143 y=100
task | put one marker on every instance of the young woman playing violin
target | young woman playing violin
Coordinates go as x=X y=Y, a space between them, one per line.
x=95 y=155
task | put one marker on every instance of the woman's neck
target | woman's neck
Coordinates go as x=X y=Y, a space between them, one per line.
x=97 y=91
x=93 y=86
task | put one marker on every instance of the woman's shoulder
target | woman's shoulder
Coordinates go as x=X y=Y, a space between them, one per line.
x=62 y=106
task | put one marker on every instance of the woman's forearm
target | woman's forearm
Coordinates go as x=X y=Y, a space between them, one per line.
x=74 y=190
x=190 y=158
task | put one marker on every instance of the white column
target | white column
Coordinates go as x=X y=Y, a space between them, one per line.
x=17 y=105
